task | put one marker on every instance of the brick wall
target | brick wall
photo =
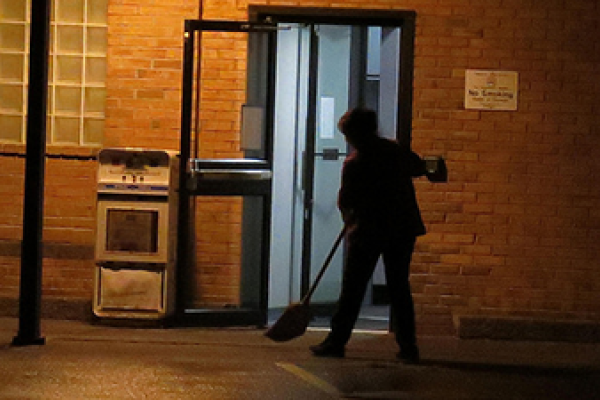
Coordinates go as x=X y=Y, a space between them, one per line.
x=11 y=205
x=216 y=276
x=69 y=224
x=515 y=231
x=145 y=47
x=143 y=98
x=143 y=109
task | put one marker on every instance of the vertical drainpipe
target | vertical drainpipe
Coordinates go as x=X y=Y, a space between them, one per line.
x=33 y=204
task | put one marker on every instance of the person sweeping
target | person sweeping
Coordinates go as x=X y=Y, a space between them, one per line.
x=382 y=218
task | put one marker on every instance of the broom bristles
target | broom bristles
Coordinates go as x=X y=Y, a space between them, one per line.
x=292 y=323
x=294 y=320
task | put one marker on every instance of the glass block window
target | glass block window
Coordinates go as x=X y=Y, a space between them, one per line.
x=77 y=71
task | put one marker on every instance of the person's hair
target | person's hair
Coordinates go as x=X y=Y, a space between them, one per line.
x=359 y=122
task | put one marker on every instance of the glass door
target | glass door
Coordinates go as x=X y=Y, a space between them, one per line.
x=328 y=100
x=225 y=181
x=322 y=71
x=311 y=95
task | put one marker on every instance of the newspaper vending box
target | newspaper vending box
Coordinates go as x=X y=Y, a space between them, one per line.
x=136 y=234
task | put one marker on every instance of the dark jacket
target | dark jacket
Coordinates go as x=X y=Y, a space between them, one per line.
x=377 y=195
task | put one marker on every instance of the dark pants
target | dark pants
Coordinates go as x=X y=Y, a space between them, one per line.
x=363 y=251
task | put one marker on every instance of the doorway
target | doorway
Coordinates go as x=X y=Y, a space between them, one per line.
x=324 y=66
x=258 y=181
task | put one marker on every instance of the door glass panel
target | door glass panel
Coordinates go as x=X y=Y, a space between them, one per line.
x=388 y=80
x=294 y=252
x=230 y=110
x=334 y=44
x=225 y=273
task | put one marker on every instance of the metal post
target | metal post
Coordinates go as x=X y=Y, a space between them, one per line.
x=31 y=247
x=183 y=210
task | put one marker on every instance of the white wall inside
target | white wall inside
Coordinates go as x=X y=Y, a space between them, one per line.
x=282 y=238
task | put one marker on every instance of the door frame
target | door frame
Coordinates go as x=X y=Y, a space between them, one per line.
x=309 y=161
x=266 y=17
x=405 y=19
x=256 y=312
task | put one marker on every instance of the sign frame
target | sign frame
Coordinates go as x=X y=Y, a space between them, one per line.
x=491 y=90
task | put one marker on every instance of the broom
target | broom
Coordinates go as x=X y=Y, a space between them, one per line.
x=294 y=320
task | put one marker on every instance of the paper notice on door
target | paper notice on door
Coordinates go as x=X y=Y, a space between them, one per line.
x=327 y=118
x=252 y=127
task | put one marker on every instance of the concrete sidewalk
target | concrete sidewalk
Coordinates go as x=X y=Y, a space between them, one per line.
x=80 y=361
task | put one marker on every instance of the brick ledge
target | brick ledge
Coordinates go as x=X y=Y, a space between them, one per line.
x=525 y=329
x=65 y=309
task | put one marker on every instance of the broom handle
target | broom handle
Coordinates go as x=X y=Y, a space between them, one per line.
x=313 y=287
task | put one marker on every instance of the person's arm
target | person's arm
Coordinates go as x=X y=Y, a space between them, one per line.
x=416 y=164
x=347 y=193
